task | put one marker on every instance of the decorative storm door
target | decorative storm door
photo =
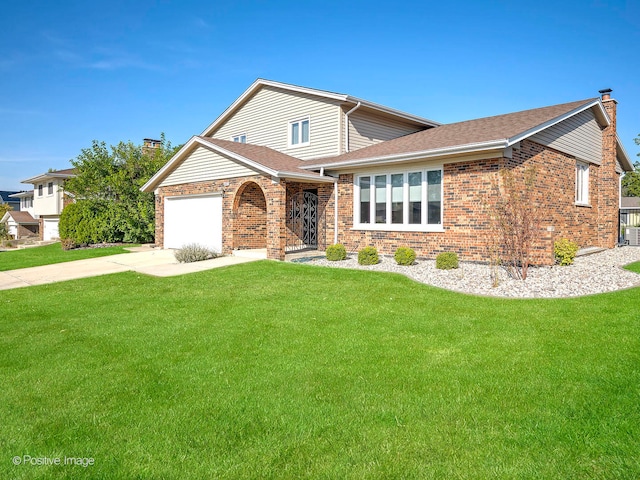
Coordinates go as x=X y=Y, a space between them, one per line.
x=303 y=222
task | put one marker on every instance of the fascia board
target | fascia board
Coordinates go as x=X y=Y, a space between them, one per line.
x=22 y=194
x=45 y=176
x=543 y=126
x=302 y=176
x=393 y=111
x=406 y=157
x=625 y=158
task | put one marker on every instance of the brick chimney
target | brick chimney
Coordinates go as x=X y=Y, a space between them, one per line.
x=608 y=178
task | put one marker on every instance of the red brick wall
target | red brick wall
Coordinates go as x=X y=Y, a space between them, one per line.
x=250 y=218
x=467 y=186
x=233 y=207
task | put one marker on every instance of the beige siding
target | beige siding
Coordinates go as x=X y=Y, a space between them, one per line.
x=579 y=136
x=367 y=128
x=204 y=165
x=265 y=118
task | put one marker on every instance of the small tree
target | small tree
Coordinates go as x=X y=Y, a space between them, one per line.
x=515 y=220
x=631 y=180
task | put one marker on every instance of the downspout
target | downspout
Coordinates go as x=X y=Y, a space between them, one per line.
x=335 y=211
x=346 y=126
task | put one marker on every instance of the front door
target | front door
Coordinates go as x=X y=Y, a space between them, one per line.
x=304 y=221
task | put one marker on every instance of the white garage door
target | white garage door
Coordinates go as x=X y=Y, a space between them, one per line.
x=50 y=227
x=193 y=219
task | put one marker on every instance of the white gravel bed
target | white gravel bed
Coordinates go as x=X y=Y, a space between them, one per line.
x=590 y=274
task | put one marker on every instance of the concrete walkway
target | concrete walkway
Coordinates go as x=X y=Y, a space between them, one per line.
x=150 y=261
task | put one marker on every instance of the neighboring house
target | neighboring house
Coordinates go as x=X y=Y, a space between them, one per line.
x=629 y=212
x=20 y=222
x=6 y=198
x=48 y=200
x=288 y=167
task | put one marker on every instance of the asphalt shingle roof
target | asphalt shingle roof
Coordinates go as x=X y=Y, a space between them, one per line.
x=462 y=133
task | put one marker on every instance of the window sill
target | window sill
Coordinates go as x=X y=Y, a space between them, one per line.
x=586 y=205
x=382 y=227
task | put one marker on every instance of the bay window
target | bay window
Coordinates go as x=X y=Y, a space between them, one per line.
x=403 y=201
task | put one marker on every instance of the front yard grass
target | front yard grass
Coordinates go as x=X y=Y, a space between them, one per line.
x=50 y=254
x=272 y=370
x=633 y=267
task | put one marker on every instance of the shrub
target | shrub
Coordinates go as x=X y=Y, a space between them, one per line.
x=336 y=252
x=368 y=256
x=194 y=253
x=565 y=251
x=405 y=256
x=67 y=244
x=4 y=232
x=447 y=260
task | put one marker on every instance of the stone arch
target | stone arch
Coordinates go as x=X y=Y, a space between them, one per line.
x=250 y=217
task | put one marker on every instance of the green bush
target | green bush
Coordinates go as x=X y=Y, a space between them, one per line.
x=447 y=260
x=405 y=256
x=565 y=251
x=336 y=252
x=67 y=244
x=368 y=256
x=194 y=253
x=4 y=232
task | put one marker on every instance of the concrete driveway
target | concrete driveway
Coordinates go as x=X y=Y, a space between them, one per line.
x=150 y=261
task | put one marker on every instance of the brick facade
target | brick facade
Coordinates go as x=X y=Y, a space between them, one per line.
x=257 y=210
x=468 y=187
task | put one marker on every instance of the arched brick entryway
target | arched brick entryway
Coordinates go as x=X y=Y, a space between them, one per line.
x=250 y=218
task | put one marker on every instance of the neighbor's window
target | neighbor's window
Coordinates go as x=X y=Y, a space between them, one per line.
x=240 y=138
x=410 y=200
x=299 y=132
x=50 y=188
x=40 y=190
x=582 y=183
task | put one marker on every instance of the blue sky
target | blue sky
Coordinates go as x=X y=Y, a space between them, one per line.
x=75 y=71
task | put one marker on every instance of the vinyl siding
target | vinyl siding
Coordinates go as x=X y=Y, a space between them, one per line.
x=579 y=136
x=265 y=119
x=203 y=165
x=368 y=128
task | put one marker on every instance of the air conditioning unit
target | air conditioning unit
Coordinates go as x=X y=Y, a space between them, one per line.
x=632 y=236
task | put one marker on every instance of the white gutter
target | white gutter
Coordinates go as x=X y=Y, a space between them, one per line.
x=335 y=211
x=437 y=152
x=346 y=126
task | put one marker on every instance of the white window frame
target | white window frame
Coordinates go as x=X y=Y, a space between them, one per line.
x=40 y=190
x=50 y=190
x=240 y=138
x=582 y=183
x=405 y=226
x=299 y=122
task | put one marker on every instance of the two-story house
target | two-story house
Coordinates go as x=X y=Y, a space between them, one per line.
x=288 y=167
x=45 y=202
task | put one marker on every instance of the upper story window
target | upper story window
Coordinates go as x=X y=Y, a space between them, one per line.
x=50 y=188
x=582 y=183
x=40 y=190
x=240 y=138
x=27 y=202
x=299 y=132
x=403 y=201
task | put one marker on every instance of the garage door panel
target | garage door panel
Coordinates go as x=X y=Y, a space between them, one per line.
x=193 y=220
x=50 y=227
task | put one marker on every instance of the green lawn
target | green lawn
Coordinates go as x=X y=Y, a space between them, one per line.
x=273 y=370
x=50 y=254
x=634 y=267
